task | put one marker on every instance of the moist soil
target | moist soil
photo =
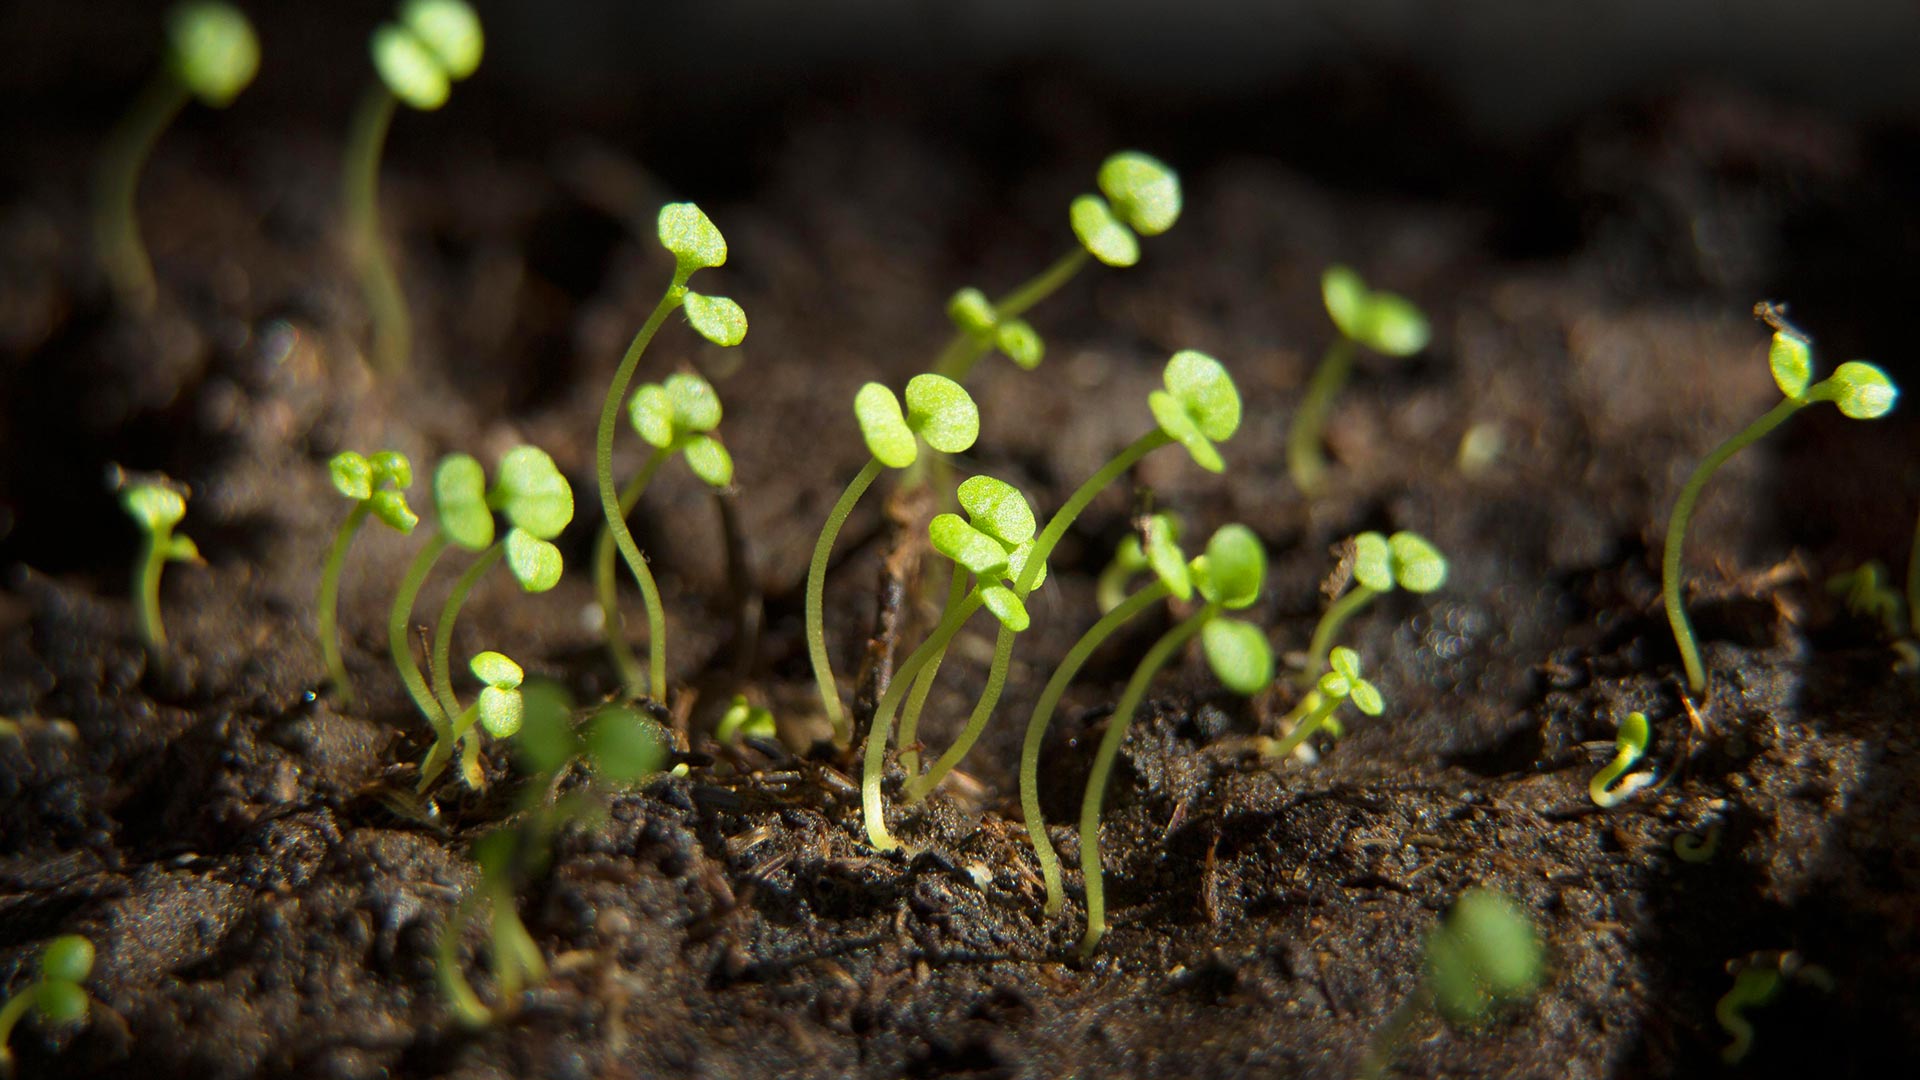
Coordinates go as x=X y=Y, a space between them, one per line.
x=226 y=833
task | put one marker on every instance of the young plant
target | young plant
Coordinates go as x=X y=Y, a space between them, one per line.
x=1335 y=688
x=1859 y=390
x=434 y=44
x=1608 y=789
x=673 y=417
x=1379 y=563
x=1757 y=980
x=940 y=413
x=1378 y=321
x=212 y=55
x=497 y=710
x=1130 y=559
x=695 y=245
x=744 y=720
x=156 y=505
x=377 y=488
x=1869 y=594
x=1228 y=576
x=56 y=995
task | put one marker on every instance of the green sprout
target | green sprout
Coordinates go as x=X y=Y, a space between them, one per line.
x=434 y=44
x=212 y=55
x=1697 y=848
x=1130 y=559
x=1869 y=594
x=674 y=417
x=56 y=995
x=1612 y=786
x=1859 y=390
x=744 y=720
x=1228 y=576
x=1758 y=980
x=497 y=710
x=940 y=413
x=156 y=505
x=1335 y=688
x=378 y=489
x=695 y=244
x=1379 y=563
x=1378 y=321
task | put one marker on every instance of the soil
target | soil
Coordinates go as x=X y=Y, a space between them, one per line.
x=219 y=828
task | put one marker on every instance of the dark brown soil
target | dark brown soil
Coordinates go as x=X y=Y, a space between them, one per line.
x=217 y=829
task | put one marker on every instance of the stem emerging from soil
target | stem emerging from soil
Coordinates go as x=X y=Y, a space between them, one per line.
x=882 y=726
x=1305 y=461
x=604 y=584
x=397 y=622
x=923 y=683
x=816 y=602
x=386 y=301
x=441 y=663
x=116 y=230
x=328 y=604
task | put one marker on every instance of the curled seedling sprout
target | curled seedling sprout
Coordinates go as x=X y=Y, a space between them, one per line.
x=940 y=413
x=1757 y=981
x=497 y=710
x=212 y=54
x=1228 y=576
x=378 y=488
x=56 y=995
x=1380 y=322
x=1335 y=688
x=1130 y=559
x=432 y=45
x=676 y=416
x=1869 y=594
x=1858 y=389
x=744 y=720
x=1612 y=785
x=156 y=505
x=695 y=244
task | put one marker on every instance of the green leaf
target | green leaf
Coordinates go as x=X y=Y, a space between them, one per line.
x=1169 y=563
x=67 y=958
x=500 y=711
x=497 y=670
x=1346 y=298
x=1862 y=391
x=213 y=51
x=1417 y=565
x=1021 y=342
x=696 y=407
x=1373 y=562
x=1144 y=192
x=450 y=30
x=1101 y=233
x=981 y=554
x=940 y=411
x=352 y=475
x=1235 y=568
x=1366 y=698
x=1394 y=326
x=625 y=746
x=1017 y=565
x=155 y=506
x=1173 y=419
x=1005 y=606
x=1335 y=685
x=972 y=313
x=460 y=500
x=534 y=562
x=1345 y=661
x=651 y=412
x=884 y=427
x=532 y=493
x=1238 y=653
x=998 y=509
x=61 y=1002
x=709 y=461
x=693 y=239
x=744 y=720
x=392 y=467
x=717 y=318
x=182 y=549
x=1484 y=953
x=1207 y=393
x=391 y=508
x=409 y=68
x=1791 y=359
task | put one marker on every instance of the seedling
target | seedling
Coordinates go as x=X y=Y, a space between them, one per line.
x=744 y=720
x=1129 y=560
x=1699 y=848
x=940 y=413
x=434 y=44
x=156 y=505
x=1859 y=390
x=1869 y=594
x=696 y=245
x=1378 y=321
x=1612 y=786
x=1335 y=688
x=212 y=55
x=1379 y=563
x=497 y=710
x=1228 y=577
x=56 y=995
x=377 y=488
x=1757 y=980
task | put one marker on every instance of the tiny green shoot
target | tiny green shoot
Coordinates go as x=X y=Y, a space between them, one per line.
x=1335 y=688
x=745 y=720
x=1868 y=593
x=1611 y=786
x=1378 y=564
x=1378 y=321
x=56 y=995
x=1699 y=847
x=1757 y=981
x=497 y=710
x=377 y=488
x=156 y=505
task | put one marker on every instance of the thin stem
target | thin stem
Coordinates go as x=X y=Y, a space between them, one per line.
x=397 y=626
x=1063 y=676
x=1318 y=707
x=882 y=726
x=1064 y=517
x=1670 y=583
x=146 y=587
x=604 y=583
x=1305 y=461
x=610 y=496
x=514 y=952
x=467 y=1007
x=328 y=604
x=116 y=227
x=386 y=301
x=441 y=663
x=1336 y=616
x=1913 y=583
x=440 y=754
x=816 y=602
x=919 y=787
x=1103 y=758
x=10 y=1014
x=957 y=361
x=923 y=683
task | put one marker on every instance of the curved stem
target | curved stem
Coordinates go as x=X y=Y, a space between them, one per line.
x=441 y=664
x=919 y=787
x=146 y=587
x=445 y=740
x=610 y=496
x=467 y=1007
x=882 y=726
x=397 y=626
x=516 y=958
x=1318 y=707
x=1336 y=616
x=328 y=604
x=604 y=584
x=1670 y=583
x=957 y=361
x=116 y=226
x=386 y=301
x=1063 y=676
x=1305 y=461
x=1116 y=734
x=923 y=683
x=1064 y=517
x=816 y=602
x=10 y=1014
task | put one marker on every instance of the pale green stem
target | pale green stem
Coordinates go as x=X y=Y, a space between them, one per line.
x=444 y=742
x=442 y=660
x=1043 y=709
x=610 y=496
x=816 y=602
x=10 y=1014
x=1913 y=583
x=1070 y=510
x=963 y=352
x=604 y=584
x=146 y=587
x=1336 y=616
x=919 y=787
x=517 y=959
x=386 y=301
x=397 y=629
x=328 y=604
x=1670 y=583
x=116 y=226
x=882 y=726
x=1305 y=461
x=1318 y=708
x=466 y=1004
x=923 y=683
x=1103 y=758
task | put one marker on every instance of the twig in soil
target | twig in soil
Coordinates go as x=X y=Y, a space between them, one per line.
x=1379 y=321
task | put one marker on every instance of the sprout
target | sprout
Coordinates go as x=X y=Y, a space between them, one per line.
x=56 y=995
x=1869 y=594
x=1859 y=390
x=435 y=44
x=377 y=488
x=498 y=710
x=695 y=244
x=1630 y=745
x=1378 y=321
x=156 y=505
x=212 y=55
x=1316 y=709
x=744 y=720
x=1757 y=980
